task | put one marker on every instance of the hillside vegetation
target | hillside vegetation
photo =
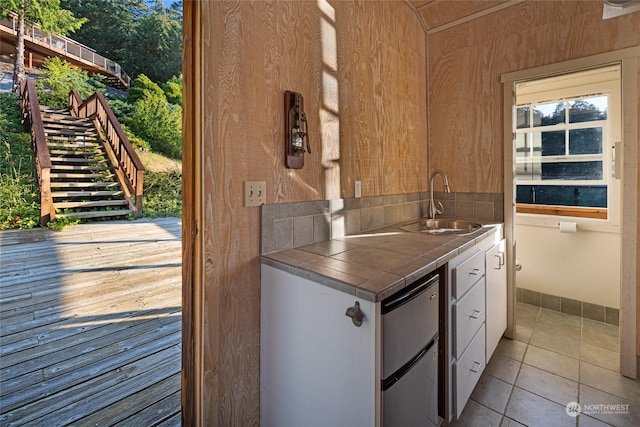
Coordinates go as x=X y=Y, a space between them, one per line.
x=19 y=192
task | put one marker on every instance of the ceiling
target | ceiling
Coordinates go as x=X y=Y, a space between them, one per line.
x=441 y=14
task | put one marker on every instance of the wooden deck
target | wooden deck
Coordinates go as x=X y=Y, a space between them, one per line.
x=90 y=322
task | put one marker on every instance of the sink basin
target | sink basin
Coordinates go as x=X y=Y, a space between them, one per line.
x=440 y=226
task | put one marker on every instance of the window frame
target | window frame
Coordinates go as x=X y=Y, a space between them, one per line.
x=567 y=88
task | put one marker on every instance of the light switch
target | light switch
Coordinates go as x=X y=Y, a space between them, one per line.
x=358 y=189
x=255 y=193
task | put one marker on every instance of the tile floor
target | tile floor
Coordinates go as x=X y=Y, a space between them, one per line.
x=555 y=359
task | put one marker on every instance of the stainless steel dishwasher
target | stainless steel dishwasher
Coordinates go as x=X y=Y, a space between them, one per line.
x=410 y=355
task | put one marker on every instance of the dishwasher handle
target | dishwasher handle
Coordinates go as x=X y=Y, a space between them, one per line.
x=410 y=292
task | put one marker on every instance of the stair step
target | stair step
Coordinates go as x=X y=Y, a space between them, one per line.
x=79 y=168
x=70 y=138
x=58 y=194
x=75 y=160
x=90 y=204
x=69 y=124
x=81 y=175
x=74 y=130
x=95 y=214
x=76 y=145
x=84 y=152
x=54 y=111
x=83 y=184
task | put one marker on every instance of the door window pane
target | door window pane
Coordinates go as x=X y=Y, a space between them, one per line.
x=553 y=143
x=585 y=141
x=563 y=195
x=549 y=114
x=572 y=170
x=522 y=120
x=588 y=109
x=529 y=170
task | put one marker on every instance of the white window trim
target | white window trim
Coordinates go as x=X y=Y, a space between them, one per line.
x=602 y=81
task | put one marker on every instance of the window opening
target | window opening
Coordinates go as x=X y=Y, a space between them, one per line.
x=564 y=143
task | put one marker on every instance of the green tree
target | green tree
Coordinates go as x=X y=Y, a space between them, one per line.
x=143 y=39
x=155 y=47
x=61 y=78
x=48 y=15
x=110 y=25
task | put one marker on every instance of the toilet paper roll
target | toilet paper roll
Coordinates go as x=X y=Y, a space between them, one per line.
x=568 y=227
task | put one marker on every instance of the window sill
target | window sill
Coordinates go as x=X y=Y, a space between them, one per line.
x=563 y=211
x=584 y=224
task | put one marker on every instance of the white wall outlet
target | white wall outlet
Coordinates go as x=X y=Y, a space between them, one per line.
x=255 y=193
x=358 y=189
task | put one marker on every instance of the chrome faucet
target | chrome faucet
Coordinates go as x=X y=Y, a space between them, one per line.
x=433 y=209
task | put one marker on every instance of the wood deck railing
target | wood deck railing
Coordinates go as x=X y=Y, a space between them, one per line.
x=67 y=47
x=32 y=119
x=129 y=170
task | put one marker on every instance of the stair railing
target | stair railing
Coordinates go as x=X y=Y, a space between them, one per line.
x=32 y=118
x=129 y=168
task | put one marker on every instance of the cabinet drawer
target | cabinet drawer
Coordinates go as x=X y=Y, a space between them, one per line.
x=467 y=273
x=468 y=369
x=468 y=315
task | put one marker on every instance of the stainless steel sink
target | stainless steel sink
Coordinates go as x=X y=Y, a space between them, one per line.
x=440 y=226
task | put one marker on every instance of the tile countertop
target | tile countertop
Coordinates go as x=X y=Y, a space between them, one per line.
x=375 y=264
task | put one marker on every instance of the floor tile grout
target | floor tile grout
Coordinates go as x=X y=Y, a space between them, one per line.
x=551 y=319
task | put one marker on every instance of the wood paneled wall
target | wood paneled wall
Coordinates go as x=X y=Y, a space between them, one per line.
x=361 y=69
x=465 y=64
x=464 y=68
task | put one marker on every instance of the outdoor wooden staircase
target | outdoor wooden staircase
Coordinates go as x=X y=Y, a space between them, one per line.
x=83 y=182
x=86 y=166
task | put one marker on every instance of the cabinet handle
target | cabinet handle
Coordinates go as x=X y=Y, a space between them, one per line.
x=476 y=366
x=500 y=257
x=475 y=314
x=474 y=272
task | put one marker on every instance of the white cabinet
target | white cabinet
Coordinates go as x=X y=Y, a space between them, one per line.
x=313 y=357
x=496 y=300
x=466 y=343
x=476 y=318
x=469 y=315
x=468 y=368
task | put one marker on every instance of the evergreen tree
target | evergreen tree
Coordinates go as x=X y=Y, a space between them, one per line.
x=143 y=39
x=110 y=25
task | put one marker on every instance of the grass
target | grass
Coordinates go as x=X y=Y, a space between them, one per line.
x=19 y=193
x=162 y=185
x=162 y=194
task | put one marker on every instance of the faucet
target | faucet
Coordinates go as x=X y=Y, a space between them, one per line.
x=433 y=209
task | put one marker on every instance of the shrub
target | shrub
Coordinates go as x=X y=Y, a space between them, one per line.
x=173 y=90
x=154 y=119
x=162 y=194
x=19 y=192
x=62 y=77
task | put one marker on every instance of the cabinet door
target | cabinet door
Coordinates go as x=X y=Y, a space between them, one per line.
x=316 y=367
x=469 y=314
x=496 y=300
x=468 y=369
x=467 y=274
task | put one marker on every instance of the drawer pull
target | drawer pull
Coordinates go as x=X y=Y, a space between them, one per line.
x=433 y=296
x=476 y=367
x=475 y=314
x=474 y=272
